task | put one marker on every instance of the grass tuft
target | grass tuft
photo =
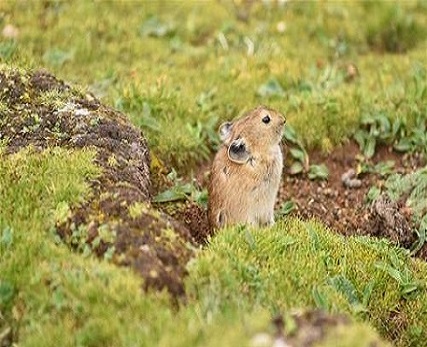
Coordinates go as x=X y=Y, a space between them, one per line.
x=51 y=296
x=299 y=264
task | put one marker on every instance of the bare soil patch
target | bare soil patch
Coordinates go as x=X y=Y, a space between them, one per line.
x=339 y=207
x=346 y=210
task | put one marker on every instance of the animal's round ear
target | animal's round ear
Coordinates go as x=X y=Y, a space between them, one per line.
x=238 y=152
x=225 y=131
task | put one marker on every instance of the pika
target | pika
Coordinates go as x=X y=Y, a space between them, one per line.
x=247 y=170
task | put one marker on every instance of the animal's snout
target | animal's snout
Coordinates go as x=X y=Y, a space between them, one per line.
x=282 y=120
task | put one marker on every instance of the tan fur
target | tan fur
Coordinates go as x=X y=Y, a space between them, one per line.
x=243 y=185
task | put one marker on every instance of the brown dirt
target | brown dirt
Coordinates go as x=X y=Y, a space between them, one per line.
x=306 y=328
x=344 y=209
x=309 y=327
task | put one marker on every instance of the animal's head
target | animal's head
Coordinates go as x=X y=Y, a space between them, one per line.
x=256 y=132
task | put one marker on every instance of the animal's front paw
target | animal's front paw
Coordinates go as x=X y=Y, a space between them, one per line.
x=266 y=222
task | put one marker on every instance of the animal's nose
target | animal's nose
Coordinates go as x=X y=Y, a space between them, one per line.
x=283 y=120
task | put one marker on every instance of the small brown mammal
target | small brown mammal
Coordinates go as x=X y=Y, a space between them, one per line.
x=247 y=169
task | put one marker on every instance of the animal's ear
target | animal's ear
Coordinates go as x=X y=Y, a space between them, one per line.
x=238 y=152
x=225 y=131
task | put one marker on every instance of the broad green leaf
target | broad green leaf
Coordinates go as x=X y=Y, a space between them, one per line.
x=290 y=134
x=360 y=137
x=170 y=195
x=369 y=149
x=404 y=145
x=384 y=168
x=298 y=154
x=271 y=88
x=373 y=194
x=287 y=207
x=318 y=172
x=296 y=168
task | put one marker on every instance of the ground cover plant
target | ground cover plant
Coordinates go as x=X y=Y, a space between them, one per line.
x=351 y=79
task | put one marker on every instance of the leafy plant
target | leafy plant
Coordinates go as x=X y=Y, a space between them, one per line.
x=270 y=88
x=198 y=135
x=382 y=168
x=344 y=286
x=318 y=172
x=320 y=299
x=415 y=139
x=398 y=270
x=286 y=208
x=412 y=187
x=375 y=129
x=181 y=190
x=422 y=236
x=207 y=104
x=373 y=194
x=394 y=30
x=381 y=129
x=301 y=161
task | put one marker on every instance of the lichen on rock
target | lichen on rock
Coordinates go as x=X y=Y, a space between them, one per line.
x=39 y=110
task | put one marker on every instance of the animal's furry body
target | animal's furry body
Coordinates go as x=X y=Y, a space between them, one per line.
x=247 y=170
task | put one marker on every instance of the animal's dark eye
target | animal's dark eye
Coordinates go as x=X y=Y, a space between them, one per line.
x=266 y=119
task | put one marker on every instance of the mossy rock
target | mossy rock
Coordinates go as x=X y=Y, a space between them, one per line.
x=117 y=221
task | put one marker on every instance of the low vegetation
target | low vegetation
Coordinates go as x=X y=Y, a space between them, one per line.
x=82 y=301
x=340 y=72
x=168 y=68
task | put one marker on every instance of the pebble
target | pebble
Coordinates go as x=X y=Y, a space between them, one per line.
x=281 y=27
x=261 y=340
x=10 y=32
x=349 y=179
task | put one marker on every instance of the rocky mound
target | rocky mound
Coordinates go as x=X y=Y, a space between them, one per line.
x=118 y=221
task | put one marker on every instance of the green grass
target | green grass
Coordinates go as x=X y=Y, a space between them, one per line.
x=54 y=297
x=172 y=70
x=300 y=264
x=178 y=69
x=50 y=296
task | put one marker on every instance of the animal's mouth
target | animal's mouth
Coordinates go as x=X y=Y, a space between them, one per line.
x=280 y=129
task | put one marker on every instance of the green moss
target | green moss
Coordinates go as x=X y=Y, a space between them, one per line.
x=177 y=79
x=50 y=297
x=297 y=264
x=53 y=99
